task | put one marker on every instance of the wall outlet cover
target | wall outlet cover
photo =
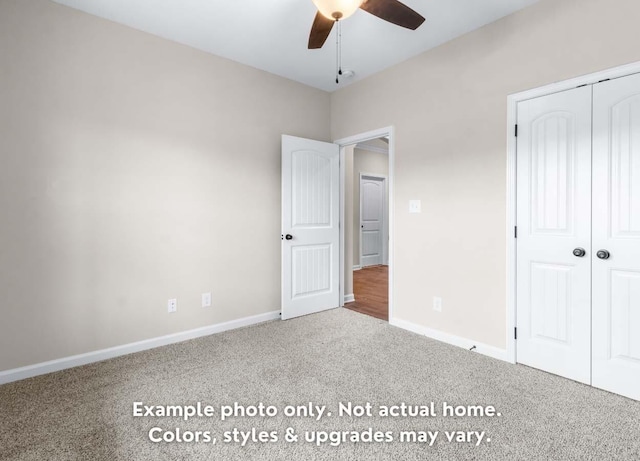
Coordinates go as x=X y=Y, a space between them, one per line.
x=172 y=305
x=415 y=206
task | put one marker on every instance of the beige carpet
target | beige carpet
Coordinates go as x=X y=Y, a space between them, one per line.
x=337 y=356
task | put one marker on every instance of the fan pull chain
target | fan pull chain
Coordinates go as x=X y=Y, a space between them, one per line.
x=338 y=51
x=337 y=47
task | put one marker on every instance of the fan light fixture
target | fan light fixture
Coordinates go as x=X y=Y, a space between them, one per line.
x=337 y=9
x=331 y=13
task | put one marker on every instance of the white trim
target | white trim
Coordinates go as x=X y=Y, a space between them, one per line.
x=388 y=132
x=349 y=298
x=357 y=267
x=30 y=371
x=343 y=222
x=484 y=349
x=512 y=119
x=510 y=231
x=589 y=79
x=385 y=212
x=367 y=147
x=374 y=175
x=367 y=136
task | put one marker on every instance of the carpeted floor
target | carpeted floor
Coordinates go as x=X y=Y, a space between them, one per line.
x=86 y=413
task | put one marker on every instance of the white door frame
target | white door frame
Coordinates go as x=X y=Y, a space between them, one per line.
x=348 y=141
x=385 y=212
x=512 y=118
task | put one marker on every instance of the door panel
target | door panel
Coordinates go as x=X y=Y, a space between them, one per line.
x=311 y=270
x=554 y=216
x=616 y=228
x=552 y=175
x=311 y=189
x=310 y=215
x=372 y=204
x=625 y=316
x=550 y=290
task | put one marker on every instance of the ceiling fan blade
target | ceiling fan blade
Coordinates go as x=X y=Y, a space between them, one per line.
x=320 y=30
x=394 y=12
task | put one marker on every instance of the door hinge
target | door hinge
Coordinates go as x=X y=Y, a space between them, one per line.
x=515 y=232
x=516 y=131
x=515 y=333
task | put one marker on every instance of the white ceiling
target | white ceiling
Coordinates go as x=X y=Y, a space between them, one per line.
x=272 y=34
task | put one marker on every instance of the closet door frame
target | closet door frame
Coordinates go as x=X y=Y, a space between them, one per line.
x=512 y=117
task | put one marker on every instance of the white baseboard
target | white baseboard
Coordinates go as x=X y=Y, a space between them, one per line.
x=349 y=298
x=357 y=268
x=484 y=349
x=30 y=371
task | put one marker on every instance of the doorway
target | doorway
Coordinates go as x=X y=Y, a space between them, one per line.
x=367 y=164
x=317 y=269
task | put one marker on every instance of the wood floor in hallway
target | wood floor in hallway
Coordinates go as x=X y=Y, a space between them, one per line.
x=371 y=290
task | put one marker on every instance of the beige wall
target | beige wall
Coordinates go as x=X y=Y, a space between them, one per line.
x=136 y=170
x=449 y=109
x=364 y=161
x=133 y=170
x=348 y=225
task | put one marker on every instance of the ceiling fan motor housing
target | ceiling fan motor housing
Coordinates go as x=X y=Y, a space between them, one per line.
x=337 y=9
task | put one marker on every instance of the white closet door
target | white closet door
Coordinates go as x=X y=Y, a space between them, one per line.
x=616 y=230
x=554 y=219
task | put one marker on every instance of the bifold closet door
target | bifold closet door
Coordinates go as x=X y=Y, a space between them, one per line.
x=616 y=234
x=554 y=233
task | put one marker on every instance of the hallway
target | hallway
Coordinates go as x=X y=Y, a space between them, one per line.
x=371 y=290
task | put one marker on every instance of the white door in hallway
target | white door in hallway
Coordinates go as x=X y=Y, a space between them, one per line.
x=372 y=220
x=616 y=231
x=554 y=220
x=310 y=226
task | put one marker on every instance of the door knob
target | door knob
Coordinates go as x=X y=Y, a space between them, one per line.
x=603 y=254
x=579 y=252
x=288 y=237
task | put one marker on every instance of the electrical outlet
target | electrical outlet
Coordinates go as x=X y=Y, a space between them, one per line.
x=172 y=305
x=437 y=304
x=206 y=299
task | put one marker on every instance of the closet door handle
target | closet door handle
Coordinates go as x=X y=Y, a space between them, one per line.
x=603 y=254
x=579 y=252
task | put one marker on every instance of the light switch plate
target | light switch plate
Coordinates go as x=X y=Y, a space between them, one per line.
x=415 y=206
x=206 y=299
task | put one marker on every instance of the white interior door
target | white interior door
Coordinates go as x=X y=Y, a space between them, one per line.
x=372 y=207
x=310 y=226
x=616 y=230
x=554 y=219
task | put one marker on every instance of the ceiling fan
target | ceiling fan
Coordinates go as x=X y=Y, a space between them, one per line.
x=332 y=11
